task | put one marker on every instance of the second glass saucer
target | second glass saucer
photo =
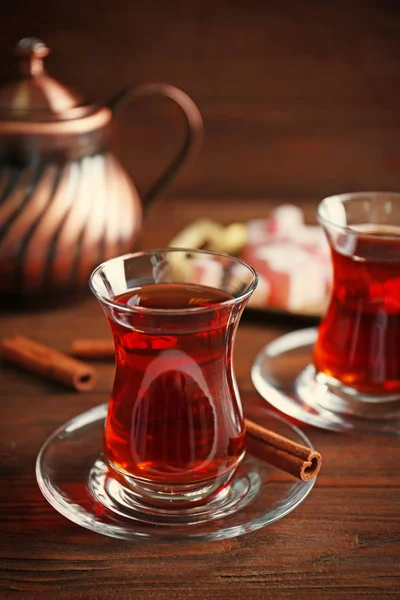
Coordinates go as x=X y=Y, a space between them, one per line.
x=73 y=477
x=284 y=376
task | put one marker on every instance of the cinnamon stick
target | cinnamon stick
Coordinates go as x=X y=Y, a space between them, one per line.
x=48 y=362
x=291 y=457
x=95 y=349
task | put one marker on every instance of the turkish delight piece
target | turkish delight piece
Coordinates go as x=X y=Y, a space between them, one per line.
x=206 y=272
x=257 y=232
x=284 y=220
x=312 y=238
x=295 y=277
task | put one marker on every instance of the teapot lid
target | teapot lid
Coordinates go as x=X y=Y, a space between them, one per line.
x=35 y=97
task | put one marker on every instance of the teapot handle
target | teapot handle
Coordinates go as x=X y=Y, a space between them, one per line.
x=194 y=128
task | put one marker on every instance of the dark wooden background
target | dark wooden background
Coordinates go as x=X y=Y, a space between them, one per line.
x=300 y=98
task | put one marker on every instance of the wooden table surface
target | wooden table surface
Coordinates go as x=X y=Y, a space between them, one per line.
x=343 y=541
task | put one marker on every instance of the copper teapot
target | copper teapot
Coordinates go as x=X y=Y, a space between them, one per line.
x=66 y=203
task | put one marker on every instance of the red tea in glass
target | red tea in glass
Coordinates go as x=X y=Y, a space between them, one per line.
x=175 y=429
x=168 y=395
x=358 y=345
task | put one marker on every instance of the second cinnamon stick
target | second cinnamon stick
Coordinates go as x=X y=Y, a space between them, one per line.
x=285 y=454
x=48 y=362
x=93 y=348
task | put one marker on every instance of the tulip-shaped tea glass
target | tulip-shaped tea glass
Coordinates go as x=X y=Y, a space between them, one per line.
x=357 y=352
x=346 y=375
x=174 y=432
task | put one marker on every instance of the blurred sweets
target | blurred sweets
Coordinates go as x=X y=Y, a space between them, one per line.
x=204 y=233
x=291 y=258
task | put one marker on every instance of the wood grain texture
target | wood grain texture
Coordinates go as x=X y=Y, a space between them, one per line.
x=342 y=542
x=299 y=98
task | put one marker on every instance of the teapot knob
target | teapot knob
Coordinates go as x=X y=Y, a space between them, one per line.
x=31 y=51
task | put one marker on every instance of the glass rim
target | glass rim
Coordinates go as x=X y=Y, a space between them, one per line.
x=349 y=196
x=176 y=311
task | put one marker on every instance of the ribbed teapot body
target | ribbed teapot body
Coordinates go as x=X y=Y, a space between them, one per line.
x=60 y=217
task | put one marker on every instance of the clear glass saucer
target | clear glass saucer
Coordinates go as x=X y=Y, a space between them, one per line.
x=74 y=479
x=284 y=376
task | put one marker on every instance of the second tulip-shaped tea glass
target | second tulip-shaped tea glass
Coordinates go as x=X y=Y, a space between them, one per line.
x=356 y=359
x=174 y=432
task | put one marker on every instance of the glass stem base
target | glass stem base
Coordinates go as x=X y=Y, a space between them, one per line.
x=130 y=499
x=316 y=387
x=171 y=495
